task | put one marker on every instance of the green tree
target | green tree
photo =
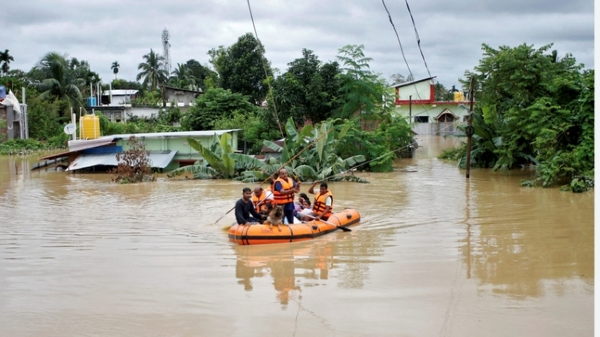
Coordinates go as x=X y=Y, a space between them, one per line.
x=213 y=105
x=5 y=58
x=123 y=84
x=362 y=91
x=152 y=71
x=59 y=82
x=541 y=109
x=204 y=77
x=442 y=93
x=183 y=78
x=115 y=68
x=253 y=129
x=241 y=68
x=308 y=90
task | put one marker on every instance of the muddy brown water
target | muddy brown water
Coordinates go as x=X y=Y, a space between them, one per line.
x=435 y=254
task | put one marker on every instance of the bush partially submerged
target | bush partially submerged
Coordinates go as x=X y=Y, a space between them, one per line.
x=134 y=164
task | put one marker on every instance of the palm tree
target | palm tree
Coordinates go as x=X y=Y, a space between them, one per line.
x=5 y=58
x=183 y=77
x=59 y=82
x=115 y=68
x=152 y=71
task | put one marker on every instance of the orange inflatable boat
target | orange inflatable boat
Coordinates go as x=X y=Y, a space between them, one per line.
x=262 y=234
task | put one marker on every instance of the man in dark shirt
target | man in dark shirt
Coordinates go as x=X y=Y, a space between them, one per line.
x=244 y=207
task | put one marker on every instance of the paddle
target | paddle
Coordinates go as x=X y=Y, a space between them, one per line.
x=327 y=222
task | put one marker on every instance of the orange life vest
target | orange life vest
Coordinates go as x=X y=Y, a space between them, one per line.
x=263 y=197
x=320 y=206
x=281 y=199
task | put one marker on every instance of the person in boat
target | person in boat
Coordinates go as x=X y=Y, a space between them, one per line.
x=302 y=206
x=244 y=208
x=284 y=191
x=323 y=204
x=261 y=199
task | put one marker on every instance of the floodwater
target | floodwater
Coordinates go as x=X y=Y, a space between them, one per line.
x=435 y=254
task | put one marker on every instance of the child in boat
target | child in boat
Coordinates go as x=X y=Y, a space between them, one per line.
x=303 y=205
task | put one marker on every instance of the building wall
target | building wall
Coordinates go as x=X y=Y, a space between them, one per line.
x=179 y=144
x=420 y=91
x=418 y=112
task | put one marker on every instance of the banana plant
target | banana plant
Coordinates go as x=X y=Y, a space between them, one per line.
x=217 y=160
x=310 y=154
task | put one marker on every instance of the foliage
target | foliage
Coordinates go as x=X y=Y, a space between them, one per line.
x=148 y=99
x=310 y=154
x=201 y=74
x=308 y=90
x=361 y=90
x=155 y=123
x=216 y=163
x=152 y=71
x=241 y=68
x=133 y=164
x=123 y=84
x=115 y=68
x=399 y=78
x=442 y=93
x=56 y=79
x=182 y=78
x=215 y=104
x=253 y=129
x=44 y=118
x=380 y=146
x=5 y=58
x=21 y=147
x=534 y=107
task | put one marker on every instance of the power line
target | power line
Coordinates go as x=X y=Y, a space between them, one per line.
x=418 y=38
x=262 y=57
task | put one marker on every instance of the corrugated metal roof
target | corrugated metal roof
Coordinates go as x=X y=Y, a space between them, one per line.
x=159 y=159
x=203 y=133
x=78 y=145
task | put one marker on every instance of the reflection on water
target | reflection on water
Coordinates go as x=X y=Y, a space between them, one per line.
x=148 y=259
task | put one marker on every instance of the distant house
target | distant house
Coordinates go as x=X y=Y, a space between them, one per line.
x=415 y=101
x=13 y=117
x=119 y=97
x=116 y=104
x=182 y=98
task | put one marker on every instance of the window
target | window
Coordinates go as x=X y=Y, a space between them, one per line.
x=421 y=119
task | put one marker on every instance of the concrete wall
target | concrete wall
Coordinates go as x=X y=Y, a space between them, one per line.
x=417 y=91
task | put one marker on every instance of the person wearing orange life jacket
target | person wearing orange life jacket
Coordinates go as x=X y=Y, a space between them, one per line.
x=261 y=198
x=284 y=190
x=323 y=204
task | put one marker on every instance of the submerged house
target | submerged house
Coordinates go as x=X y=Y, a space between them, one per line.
x=416 y=101
x=168 y=150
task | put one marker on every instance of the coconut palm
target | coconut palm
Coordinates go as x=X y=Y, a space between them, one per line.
x=152 y=71
x=58 y=81
x=183 y=77
x=115 y=68
x=5 y=58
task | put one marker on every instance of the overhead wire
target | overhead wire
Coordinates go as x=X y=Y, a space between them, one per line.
x=418 y=38
x=262 y=57
x=425 y=109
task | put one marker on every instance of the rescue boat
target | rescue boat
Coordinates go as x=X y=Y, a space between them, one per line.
x=257 y=234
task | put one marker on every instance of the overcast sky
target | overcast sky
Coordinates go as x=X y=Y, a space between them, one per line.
x=451 y=32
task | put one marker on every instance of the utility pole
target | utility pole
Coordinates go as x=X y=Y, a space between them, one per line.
x=469 y=130
x=410 y=109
